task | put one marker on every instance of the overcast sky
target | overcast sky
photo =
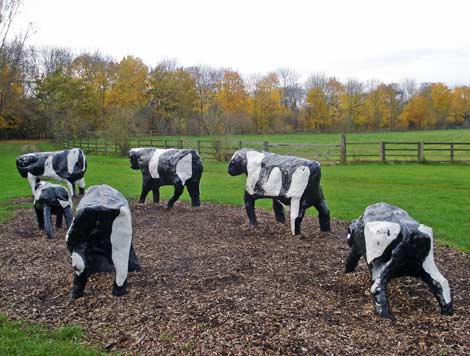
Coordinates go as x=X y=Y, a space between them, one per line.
x=363 y=39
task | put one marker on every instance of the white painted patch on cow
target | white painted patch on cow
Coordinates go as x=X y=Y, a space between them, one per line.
x=81 y=183
x=298 y=182
x=37 y=193
x=72 y=159
x=77 y=263
x=430 y=266
x=184 y=168
x=64 y=203
x=294 y=213
x=153 y=164
x=378 y=235
x=32 y=182
x=121 y=237
x=253 y=168
x=273 y=186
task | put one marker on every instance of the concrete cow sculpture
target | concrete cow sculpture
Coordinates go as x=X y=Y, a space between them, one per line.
x=174 y=167
x=394 y=245
x=287 y=180
x=52 y=199
x=66 y=166
x=100 y=239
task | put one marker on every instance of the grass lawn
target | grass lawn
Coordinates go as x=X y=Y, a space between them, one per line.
x=456 y=135
x=19 y=338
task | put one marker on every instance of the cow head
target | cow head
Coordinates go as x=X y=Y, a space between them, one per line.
x=238 y=163
x=353 y=229
x=135 y=158
x=24 y=162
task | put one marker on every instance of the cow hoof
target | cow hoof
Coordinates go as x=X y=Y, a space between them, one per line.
x=447 y=310
x=74 y=294
x=384 y=312
x=119 y=291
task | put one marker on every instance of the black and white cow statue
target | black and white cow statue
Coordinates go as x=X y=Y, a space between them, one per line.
x=100 y=239
x=66 y=166
x=174 y=167
x=393 y=245
x=52 y=199
x=287 y=180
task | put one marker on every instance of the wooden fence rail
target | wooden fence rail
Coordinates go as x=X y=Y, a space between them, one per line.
x=341 y=152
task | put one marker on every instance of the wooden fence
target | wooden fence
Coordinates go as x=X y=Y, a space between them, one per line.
x=341 y=152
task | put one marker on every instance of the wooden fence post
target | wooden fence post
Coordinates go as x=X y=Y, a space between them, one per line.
x=96 y=146
x=181 y=144
x=240 y=145
x=342 y=147
x=382 y=151
x=452 y=152
x=420 y=152
x=266 y=146
x=199 y=146
x=166 y=143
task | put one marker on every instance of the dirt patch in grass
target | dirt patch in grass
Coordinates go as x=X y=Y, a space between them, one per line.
x=213 y=285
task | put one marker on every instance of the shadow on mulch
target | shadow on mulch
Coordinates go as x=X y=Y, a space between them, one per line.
x=211 y=284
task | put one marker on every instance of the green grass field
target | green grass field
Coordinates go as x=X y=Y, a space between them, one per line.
x=457 y=135
x=19 y=338
x=436 y=194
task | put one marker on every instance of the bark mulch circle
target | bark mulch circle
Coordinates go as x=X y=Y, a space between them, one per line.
x=213 y=285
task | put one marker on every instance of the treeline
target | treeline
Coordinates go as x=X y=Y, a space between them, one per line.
x=52 y=93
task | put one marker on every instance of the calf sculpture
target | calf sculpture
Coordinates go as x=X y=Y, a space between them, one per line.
x=287 y=180
x=52 y=199
x=100 y=239
x=174 y=167
x=394 y=245
x=66 y=166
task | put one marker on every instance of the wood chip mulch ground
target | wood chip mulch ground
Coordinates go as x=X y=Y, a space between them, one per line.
x=213 y=285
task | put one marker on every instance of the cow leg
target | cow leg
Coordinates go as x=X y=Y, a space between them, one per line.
x=323 y=215
x=176 y=194
x=193 y=189
x=381 y=275
x=352 y=261
x=40 y=217
x=250 y=209
x=68 y=216
x=296 y=215
x=156 y=194
x=121 y=263
x=32 y=182
x=440 y=288
x=71 y=188
x=146 y=187
x=58 y=219
x=79 y=283
x=279 y=211
x=81 y=186
x=299 y=218
x=121 y=241
x=48 y=222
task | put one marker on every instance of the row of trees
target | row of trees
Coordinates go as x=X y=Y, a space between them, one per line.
x=52 y=93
